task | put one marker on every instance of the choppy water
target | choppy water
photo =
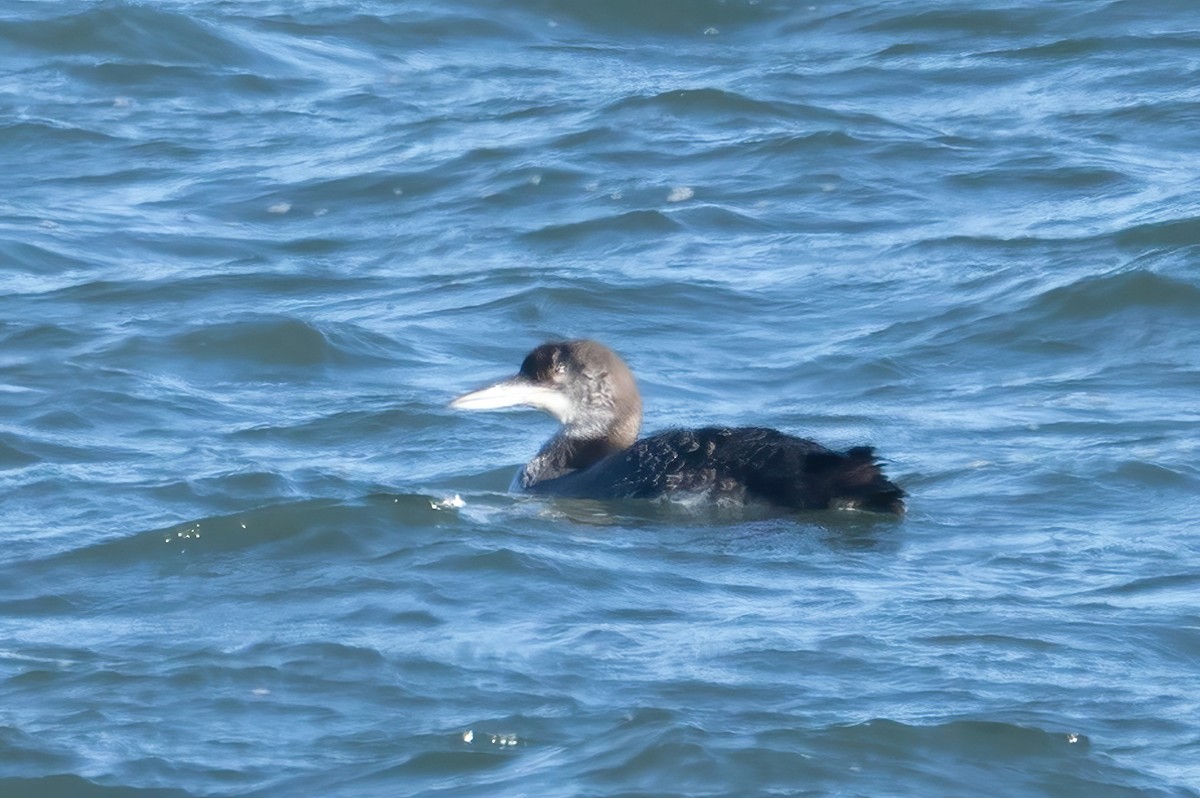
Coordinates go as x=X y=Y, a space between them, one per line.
x=248 y=250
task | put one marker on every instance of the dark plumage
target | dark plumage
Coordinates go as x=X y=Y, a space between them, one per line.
x=596 y=453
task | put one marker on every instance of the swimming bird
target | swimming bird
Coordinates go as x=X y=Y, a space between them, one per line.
x=596 y=454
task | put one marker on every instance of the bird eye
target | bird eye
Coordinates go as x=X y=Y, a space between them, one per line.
x=560 y=368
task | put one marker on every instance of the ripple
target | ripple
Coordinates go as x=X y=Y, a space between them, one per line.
x=115 y=31
x=78 y=787
x=1171 y=233
x=706 y=103
x=310 y=525
x=1103 y=296
x=673 y=17
x=635 y=223
x=282 y=341
x=14 y=457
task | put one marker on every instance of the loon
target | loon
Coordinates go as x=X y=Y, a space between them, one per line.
x=597 y=454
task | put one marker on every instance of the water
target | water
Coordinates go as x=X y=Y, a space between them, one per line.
x=249 y=250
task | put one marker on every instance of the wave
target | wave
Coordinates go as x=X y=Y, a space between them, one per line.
x=1042 y=175
x=1171 y=233
x=129 y=31
x=13 y=455
x=721 y=106
x=612 y=226
x=1090 y=312
x=69 y=785
x=969 y=22
x=275 y=341
x=256 y=346
x=34 y=135
x=689 y=18
x=657 y=751
x=36 y=259
x=1103 y=296
x=709 y=103
x=1083 y=46
x=303 y=527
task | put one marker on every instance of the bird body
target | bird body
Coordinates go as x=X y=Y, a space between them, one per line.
x=597 y=455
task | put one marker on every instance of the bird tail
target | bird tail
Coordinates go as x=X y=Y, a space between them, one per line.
x=857 y=483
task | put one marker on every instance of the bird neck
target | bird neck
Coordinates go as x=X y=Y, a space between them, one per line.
x=565 y=453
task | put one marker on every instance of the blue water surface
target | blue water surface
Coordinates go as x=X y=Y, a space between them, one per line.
x=250 y=250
